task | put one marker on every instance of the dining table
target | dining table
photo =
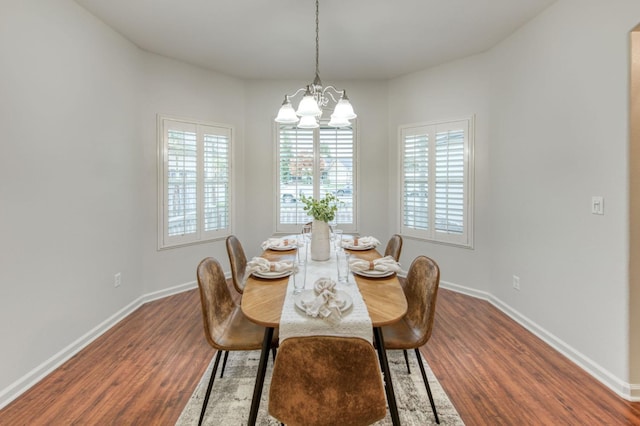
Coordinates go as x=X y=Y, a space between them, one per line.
x=263 y=299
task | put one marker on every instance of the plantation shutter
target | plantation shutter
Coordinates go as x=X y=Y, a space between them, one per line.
x=336 y=168
x=195 y=202
x=436 y=182
x=415 y=160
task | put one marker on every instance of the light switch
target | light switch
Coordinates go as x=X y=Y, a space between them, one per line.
x=597 y=205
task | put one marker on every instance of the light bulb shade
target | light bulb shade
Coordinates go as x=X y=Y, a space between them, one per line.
x=339 y=121
x=308 y=107
x=344 y=110
x=308 y=122
x=287 y=115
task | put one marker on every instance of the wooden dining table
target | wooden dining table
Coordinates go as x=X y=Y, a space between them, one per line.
x=263 y=299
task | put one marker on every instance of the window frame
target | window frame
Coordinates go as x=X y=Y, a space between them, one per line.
x=283 y=228
x=164 y=124
x=431 y=234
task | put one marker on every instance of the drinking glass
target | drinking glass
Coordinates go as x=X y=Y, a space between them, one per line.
x=301 y=243
x=337 y=238
x=299 y=278
x=342 y=258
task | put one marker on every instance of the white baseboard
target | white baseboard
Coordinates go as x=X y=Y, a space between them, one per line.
x=627 y=391
x=21 y=385
x=630 y=392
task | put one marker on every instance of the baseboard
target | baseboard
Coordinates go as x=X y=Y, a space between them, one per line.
x=23 y=384
x=627 y=391
x=630 y=392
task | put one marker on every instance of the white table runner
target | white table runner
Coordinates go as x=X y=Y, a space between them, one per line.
x=355 y=321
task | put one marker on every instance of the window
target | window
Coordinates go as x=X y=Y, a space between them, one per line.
x=315 y=162
x=436 y=181
x=194 y=181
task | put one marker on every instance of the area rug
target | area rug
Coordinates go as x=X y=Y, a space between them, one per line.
x=230 y=399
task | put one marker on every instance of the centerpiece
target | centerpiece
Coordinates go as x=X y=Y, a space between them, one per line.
x=323 y=211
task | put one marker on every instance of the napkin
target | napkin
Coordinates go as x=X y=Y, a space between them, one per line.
x=360 y=241
x=326 y=304
x=278 y=242
x=383 y=264
x=260 y=264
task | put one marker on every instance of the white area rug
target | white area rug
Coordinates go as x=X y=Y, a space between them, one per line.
x=230 y=399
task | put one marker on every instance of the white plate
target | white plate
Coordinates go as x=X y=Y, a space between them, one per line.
x=367 y=247
x=282 y=248
x=309 y=295
x=372 y=273
x=272 y=274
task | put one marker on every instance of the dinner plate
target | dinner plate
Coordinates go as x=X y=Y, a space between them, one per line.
x=272 y=274
x=282 y=248
x=367 y=247
x=309 y=295
x=372 y=273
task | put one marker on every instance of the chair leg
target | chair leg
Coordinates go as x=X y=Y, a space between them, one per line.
x=426 y=383
x=206 y=396
x=274 y=353
x=406 y=360
x=224 y=363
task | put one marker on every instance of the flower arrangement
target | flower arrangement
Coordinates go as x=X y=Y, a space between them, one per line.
x=323 y=209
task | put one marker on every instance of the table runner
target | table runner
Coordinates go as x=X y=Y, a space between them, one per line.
x=355 y=321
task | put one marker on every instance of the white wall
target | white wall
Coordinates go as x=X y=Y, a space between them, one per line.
x=173 y=88
x=69 y=173
x=453 y=91
x=553 y=133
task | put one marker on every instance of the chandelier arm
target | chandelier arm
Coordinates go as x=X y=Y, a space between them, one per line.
x=302 y=89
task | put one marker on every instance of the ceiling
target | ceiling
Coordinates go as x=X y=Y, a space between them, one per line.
x=275 y=39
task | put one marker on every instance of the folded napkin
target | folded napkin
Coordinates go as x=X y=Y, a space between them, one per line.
x=360 y=241
x=326 y=304
x=383 y=264
x=278 y=242
x=260 y=264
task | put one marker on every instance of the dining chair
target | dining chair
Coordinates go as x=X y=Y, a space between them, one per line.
x=238 y=262
x=414 y=329
x=394 y=247
x=225 y=326
x=326 y=380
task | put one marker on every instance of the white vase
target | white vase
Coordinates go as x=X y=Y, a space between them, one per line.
x=320 y=241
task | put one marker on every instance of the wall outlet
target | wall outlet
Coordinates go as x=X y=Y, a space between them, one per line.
x=117 y=280
x=516 y=282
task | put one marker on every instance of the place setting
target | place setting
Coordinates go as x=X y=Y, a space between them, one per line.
x=280 y=244
x=263 y=268
x=377 y=268
x=359 y=243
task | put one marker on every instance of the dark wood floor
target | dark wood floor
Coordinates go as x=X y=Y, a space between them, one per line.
x=144 y=369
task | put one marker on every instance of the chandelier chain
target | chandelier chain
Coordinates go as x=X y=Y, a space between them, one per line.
x=317 y=38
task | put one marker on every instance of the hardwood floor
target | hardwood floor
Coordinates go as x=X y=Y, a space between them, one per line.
x=144 y=369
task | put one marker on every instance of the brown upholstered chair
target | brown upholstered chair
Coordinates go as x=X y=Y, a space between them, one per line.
x=326 y=380
x=238 y=262
x=225 y=326
x=414 y=329
x=394 y=247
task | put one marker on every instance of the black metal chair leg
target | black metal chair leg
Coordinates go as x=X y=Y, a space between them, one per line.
x=426 y=383
x=274 y=353
x=206 y=396
x=406 y=360
x=224 y=363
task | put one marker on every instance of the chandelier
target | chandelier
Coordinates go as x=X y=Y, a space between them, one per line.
x=315 y=98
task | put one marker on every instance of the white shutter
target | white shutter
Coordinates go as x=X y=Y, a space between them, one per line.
x=337 y=168
x=295 y=172
x=313 y=162
x=415 y=183
x=216 y=181
x=436 y=182
x=194 y=201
